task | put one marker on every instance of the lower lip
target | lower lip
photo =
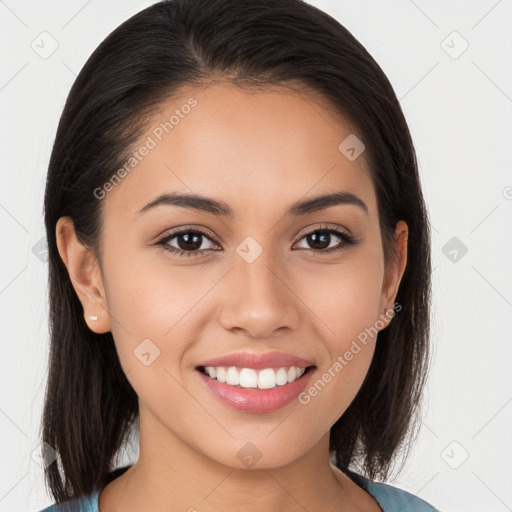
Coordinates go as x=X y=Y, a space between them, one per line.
x=256 y=400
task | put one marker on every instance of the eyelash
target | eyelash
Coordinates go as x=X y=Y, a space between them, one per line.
x=346 y=239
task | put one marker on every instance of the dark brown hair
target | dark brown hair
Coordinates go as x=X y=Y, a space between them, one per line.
x=89 y=404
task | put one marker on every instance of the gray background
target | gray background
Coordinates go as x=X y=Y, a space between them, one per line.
x=458 y=103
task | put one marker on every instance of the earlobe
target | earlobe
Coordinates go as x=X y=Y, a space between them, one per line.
x=85 y=276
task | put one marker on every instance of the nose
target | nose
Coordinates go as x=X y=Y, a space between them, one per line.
x=259 y=299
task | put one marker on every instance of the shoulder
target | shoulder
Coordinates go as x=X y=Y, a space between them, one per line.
x=85 y=504
x=391 y=499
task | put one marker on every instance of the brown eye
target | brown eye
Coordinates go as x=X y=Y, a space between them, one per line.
x=190 y=242
x=322 y=240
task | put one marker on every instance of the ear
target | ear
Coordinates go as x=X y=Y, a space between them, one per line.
x=85 y=274
x=394 y=272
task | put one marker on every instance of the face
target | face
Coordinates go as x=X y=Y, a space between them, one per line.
x=183 y=284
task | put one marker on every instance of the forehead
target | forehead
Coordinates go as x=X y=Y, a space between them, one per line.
x=257 y=150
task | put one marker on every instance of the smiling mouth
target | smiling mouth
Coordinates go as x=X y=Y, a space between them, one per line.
x=266 y=378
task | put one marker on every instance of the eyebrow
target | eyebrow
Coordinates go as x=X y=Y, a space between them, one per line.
x=219 y=208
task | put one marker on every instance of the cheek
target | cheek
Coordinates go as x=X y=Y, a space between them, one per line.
x=345 y=297
x=155 y=310
x=153 y=302
x=149 y=294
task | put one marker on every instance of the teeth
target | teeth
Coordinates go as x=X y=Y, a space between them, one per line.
x=281 y=376
x=221 y=373
x=248 y=377
x=233 y=377
x=267 y=378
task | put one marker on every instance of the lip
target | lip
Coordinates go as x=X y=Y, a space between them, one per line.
x=252 y=400
x=258 y=361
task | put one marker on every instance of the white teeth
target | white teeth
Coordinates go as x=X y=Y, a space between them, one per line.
x=267 y=378
x=248 y=377
x=281 y=378
x=233 y=377
x=220 y=371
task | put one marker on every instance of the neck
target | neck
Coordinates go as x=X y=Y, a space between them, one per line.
x=171 y=475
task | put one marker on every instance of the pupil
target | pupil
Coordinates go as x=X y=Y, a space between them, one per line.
x=319 y=240
x=191 y=241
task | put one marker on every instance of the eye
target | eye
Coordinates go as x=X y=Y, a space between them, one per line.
x=190 y=242
x=320 y=240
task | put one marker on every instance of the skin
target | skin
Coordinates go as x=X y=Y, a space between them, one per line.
x=259 y=153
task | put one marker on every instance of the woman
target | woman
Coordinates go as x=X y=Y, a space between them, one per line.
x=239 y=259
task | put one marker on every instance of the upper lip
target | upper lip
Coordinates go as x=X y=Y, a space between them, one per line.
x=258 y=361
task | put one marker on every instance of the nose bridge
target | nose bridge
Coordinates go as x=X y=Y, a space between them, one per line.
x=257 y=270
x=262 y=301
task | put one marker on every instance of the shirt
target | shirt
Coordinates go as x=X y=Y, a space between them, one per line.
x=390 y=499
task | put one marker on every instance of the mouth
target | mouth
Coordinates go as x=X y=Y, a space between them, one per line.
x=256 y=382
x=251 y=390
x=265 y=378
